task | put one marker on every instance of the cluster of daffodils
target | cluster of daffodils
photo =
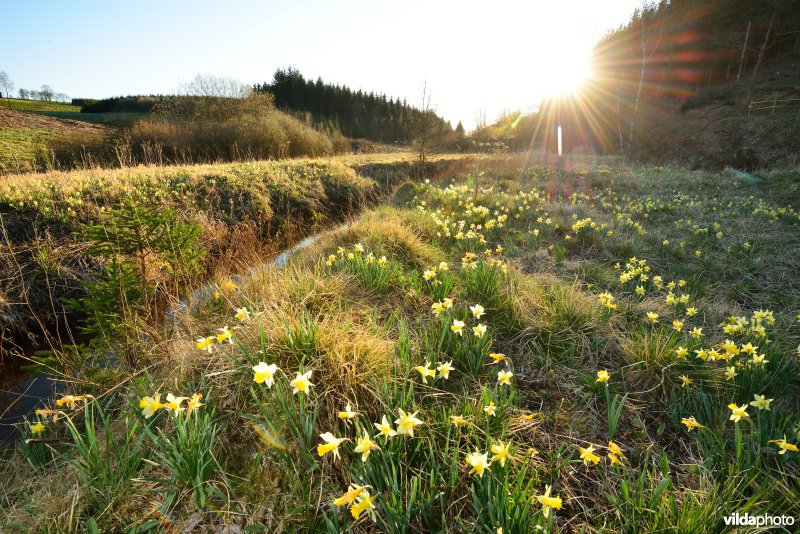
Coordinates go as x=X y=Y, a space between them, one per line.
x=458 y=327
x=151 y=404
x=431 y=275
x=225 y=335
x=357 y=253
x=70 y=401
x=614 y=454
x=471 y=260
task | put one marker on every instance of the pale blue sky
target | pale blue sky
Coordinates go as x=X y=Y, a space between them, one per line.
x=489 y=55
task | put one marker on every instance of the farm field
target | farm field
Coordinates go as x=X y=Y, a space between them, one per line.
x=38 y=105
x=492 y=342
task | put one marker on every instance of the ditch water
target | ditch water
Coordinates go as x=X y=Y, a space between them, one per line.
x=22 y=392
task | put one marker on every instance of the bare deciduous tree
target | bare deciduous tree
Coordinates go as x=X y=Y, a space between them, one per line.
x=425 y=122
x=215 y=86
x=6 y=84
x=46 y=93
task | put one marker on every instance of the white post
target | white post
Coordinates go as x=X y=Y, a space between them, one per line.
x=560 y=145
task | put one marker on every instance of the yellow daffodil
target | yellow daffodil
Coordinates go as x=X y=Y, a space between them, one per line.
x=730 y=373
x=447 y=303
x=501 y=453
x=686 y=380
x=444 y=369
x=37 y=428
x=406 y=423
x=498 y=357
x=428 y=274
x=615 y=449
x=206 y=343
x=614 y=459
x=677 y=325
x=437 y=308
x=478 y=462
x=783 y=445
x=490 y=408
x=385 y=428
x=229 y=286
x=681 y=352
x=457 y=327
x=477 y=311
x=383 y=261
x=242 y=314
x=691 y=312
x=264 y=373
x=761 y=402
x=175 y=403
x=358 y=247
x=504 y=377
x=602 y=376
x=457 y=420
x=443 y=266
x=691 y=423
x=696 y=332
x=425 y=371
x=759 y=359
x=224 y=335
x=331 y=444
x=366 y=503
x=639 y=290
x=588 y=455
x=365 y=445
x=350 y=496
x=150 y=405
x=348 y=412
x=302 y=383
x=738 y=412
x=607 y=300
x=194 y=403
x=69 y=400
x=548 y=502
x=479 y=330
x=652 y=317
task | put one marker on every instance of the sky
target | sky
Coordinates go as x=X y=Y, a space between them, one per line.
x=479 y=59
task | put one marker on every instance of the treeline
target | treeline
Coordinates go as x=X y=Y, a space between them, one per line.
x=120 y=104
x=45 y=94
x=355 y=113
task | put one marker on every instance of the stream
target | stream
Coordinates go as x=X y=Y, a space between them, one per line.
x=22 y=392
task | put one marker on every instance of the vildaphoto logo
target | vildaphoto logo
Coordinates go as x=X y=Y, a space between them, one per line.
x=763 y=520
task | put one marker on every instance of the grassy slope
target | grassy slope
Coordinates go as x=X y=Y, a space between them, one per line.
x=38 y=105
x=362 y=328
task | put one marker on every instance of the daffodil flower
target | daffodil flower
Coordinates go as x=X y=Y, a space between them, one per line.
x=264 y=373
x=652 y=317
x=194 y=403
x=738 y=412
x=224 y=335
x=301 y=383
x=365 y=445
x=548 y=502
x=206 y=343
x=385 y=428
x=331 y=444
x=348 y=412
x=366 y=503
x=477 y=311
x=457 y=327
x=242 y=314
x=350 y=496
x=490 y=408
x=602 y=376
x=478 y=462
x=501 y=453
x=407 y=422
x=38 y=428
x=587 y=455
x=761 y=402
x=150 y=405
x=498 y=357
x=783 y=445
x=457 y=420
x=425 y=371
x=69 y=400
x=174 y=403
x=691 y=423
x=444 y=369
x=686 y=380
x=504 y=377
x=479 y=330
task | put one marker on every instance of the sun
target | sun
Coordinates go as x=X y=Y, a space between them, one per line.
x=564 y=72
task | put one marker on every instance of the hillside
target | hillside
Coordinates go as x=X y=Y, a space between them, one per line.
x=24 y=136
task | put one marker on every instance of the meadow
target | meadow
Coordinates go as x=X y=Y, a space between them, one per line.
x=488 y=344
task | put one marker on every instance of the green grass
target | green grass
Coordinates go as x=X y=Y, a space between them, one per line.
x=534 y=246
x=38 y=105
x=20 y=146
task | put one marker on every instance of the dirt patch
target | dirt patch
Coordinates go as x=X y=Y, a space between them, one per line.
x=10 y=118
